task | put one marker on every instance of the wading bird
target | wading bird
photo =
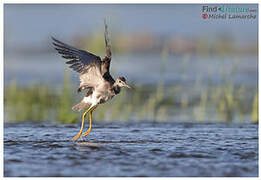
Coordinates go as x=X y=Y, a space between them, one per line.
x=94 y=77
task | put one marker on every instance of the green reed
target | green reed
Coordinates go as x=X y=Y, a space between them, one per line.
x=39 y=103
x=255 y=109
x=28 y=104
x=64 y=103
x=225 y=102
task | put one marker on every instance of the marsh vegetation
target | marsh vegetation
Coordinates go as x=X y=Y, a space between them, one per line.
x=200 y=101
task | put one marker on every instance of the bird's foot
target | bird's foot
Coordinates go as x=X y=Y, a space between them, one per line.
x=86 y=133
x=77 y=136
x=81 y=138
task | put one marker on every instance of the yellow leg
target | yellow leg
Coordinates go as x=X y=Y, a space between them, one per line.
x=79 y=134
x=90 y=119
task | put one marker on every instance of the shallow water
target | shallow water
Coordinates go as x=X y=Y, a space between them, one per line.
x=132 y=149
x=177 y=69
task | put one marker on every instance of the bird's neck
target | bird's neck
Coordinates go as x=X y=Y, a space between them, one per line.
x=116 y=88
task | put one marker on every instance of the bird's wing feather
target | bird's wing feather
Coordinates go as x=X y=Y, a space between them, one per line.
x=78 y=59
x=105 y=67
x=107 y=41
x=85 y=63
x=91 y=77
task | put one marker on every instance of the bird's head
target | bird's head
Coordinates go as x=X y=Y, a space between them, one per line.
x=121 y=82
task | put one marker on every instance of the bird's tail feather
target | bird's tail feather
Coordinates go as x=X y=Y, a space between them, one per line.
x=80 y=106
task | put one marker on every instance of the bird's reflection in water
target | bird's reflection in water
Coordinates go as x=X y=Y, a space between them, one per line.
x=87 y=146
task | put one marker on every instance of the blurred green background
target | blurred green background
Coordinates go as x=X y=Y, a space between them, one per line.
x=184 y=68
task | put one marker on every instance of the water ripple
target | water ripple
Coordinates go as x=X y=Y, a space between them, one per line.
x=131 y=149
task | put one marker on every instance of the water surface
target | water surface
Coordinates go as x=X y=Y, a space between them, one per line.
x=132 y=149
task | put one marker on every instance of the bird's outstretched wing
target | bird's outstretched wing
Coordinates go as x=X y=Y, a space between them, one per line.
x=107 y=41
x=79 y=59
x=106 y=61
x=83 y=62
x=105 y=67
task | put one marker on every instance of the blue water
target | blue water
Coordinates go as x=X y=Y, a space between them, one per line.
x=30 y=26
x=132 y=149
x=179 y=70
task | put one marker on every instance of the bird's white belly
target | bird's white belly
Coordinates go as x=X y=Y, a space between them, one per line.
x=90 y=100
x=94 y=99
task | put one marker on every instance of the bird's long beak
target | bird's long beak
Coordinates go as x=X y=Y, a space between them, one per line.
x=128 y=86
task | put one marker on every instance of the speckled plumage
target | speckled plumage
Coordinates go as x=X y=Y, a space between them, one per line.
x=94 y=73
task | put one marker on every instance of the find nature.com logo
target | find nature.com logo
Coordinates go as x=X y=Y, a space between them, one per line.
x=228 y=12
